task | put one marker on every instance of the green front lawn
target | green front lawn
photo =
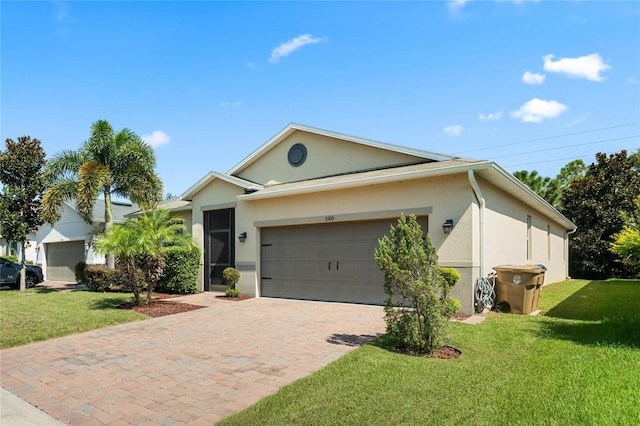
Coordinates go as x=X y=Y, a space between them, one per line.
x=577 y=364
x=41 y=314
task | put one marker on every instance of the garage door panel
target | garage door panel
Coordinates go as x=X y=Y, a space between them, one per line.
x=62 y=258
x=332 y=262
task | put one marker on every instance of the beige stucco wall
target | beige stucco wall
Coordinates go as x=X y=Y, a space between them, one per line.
x=506 y=235
x=440 y=198
x=325 y=156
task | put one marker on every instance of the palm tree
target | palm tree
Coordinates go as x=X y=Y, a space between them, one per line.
x=140 y=244
x=107 y=164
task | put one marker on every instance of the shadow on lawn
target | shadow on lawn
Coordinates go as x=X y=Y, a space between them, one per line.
x=109 y=303
x=351 y=339
x=601 y=313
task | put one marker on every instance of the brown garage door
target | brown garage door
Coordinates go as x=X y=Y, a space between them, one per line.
x=331 y=262
x=62 y=259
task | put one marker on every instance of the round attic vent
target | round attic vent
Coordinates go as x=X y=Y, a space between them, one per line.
x=297 y=154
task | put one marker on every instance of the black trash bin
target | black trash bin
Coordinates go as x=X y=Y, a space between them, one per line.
x=519 y=286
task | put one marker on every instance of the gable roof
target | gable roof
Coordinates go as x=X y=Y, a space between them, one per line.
x=293 y=127
x=173 y=206
x=211 y=176
x=119 y=209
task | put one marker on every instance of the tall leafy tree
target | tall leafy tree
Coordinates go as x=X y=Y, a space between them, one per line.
x=141 y=243
x=552 y=189
x=23 y=179
x=545 y=187
x=597 y=203
x=109 y=163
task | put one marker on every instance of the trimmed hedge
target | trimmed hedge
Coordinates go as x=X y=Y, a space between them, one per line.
x=100 y=278
x=79 y=271
x=181 y=270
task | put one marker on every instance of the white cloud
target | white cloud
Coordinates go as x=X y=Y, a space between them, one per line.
x=230 y=104
x=491 y=116
x=453 y=130
x=632 y=80
x=288 y=47
x=537 y=110
x=456 y=5
x=156 y=138
x=588 y=67
x=62 y=11
x=578 y=120
x=533 y=78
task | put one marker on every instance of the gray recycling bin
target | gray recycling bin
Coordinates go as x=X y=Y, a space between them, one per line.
x=519 y=286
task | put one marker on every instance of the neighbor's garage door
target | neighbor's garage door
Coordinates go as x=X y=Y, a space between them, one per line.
x=332 y=262
x=62 y=259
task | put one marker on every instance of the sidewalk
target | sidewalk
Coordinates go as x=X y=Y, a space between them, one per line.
x=17 y=412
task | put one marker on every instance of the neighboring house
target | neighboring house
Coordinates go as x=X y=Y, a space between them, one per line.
x=59 y=248
x=302 y=215
x=13 y=248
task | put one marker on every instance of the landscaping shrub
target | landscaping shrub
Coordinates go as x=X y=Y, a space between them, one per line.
x=231 y=277
x=11 y=258
x=79 y=271
x=181 y=270
x=450 y=275
x=418 y=308
x=100 y=278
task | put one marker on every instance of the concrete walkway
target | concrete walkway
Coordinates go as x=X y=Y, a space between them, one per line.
x=191 y=368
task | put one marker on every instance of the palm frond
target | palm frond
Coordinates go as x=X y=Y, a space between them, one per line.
x=53 y=198
x=63 y=164
x=93 y=178
x=100 y=143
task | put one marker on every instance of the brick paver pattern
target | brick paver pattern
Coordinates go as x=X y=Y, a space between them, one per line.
x=191 y=368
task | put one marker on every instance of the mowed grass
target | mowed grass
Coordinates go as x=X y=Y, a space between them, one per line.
x=41 y=314
x=577 y=364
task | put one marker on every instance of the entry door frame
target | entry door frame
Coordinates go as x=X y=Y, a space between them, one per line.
x=216 y=223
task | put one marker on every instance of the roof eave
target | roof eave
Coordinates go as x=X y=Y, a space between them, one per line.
x=292 y=127
x=332 y=186
x=211 y=176
x=542 y=205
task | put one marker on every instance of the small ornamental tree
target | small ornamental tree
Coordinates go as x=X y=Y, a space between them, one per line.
x=231 y=277
x=141 y=244
x=23 y=183
x=627 y=242
x=418 y=307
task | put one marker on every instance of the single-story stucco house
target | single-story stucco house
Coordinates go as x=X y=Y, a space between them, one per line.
x=301 y=217
x=59 y=248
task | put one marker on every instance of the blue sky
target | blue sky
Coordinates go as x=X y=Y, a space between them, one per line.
x=530 y=84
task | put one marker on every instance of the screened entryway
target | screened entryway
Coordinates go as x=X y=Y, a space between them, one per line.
x=219 y=245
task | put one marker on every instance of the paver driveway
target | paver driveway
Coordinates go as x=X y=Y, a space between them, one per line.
x=191 y=368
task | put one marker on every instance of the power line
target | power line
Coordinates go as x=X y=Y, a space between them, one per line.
x=549 y=137
x=567 y=146
x=551 y=161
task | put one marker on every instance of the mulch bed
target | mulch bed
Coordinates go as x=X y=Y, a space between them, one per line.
x=445 y=352
x=236 y=299
x=159 y=308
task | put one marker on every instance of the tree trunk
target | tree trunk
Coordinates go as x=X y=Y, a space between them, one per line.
x=23 y=270
x=108 y=223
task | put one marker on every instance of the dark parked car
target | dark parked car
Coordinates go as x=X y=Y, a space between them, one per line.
x=10 y=274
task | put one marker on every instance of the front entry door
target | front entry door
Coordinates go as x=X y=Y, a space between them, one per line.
x=219 y=245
